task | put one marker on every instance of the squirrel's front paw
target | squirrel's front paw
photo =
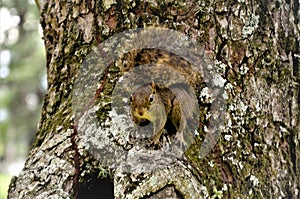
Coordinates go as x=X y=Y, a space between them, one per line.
x=154 y=143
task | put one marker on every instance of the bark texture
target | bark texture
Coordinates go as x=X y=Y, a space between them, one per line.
x=255 y=45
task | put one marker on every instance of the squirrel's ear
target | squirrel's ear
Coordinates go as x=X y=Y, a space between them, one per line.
x=153 y=86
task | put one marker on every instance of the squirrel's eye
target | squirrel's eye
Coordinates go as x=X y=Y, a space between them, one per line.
x=131 y=98
x=151 y=98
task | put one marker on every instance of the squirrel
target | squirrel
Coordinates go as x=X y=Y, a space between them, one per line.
x=172 y=106
x=156 y=104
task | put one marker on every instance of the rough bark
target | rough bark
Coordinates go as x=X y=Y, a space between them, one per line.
x=255 y=45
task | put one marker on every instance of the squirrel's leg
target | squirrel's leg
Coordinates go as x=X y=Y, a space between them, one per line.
x=158 y=127
x=160 y=119
x=155 y=138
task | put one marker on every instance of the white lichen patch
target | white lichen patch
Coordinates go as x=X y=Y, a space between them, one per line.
x=242 y=107
x=256 y=144
x=211 y=164
x=176 y=175
x=225 y=95
x=97 y=138
x=221 y=67
x=125 y=100
x=107 y=4
x=235 y=161
x=224 y=188
x=228 y=86
x=239 y=110
x=241 y=165
x=227 y=137
x=251 y=24
x=217 y=193
x=205 y=95
x=204 y=190
x=218 y=80
x=239 y=144
x=244 y=69
x=120 y=123
x=257 y=106
x=228 y=120
x=254 y=180
x=205 y=129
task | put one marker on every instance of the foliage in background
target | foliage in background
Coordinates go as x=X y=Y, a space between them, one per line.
x=23 y=81
x=4 y=183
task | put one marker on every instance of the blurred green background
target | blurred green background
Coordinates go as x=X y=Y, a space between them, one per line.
x=22 y=84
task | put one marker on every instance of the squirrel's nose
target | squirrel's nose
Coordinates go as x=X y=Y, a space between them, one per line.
x=141 y=112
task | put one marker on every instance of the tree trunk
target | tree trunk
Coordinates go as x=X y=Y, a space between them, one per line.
x=253 y=48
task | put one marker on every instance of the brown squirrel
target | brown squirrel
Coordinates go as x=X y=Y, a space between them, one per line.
x=173 y=107
x=156 y=104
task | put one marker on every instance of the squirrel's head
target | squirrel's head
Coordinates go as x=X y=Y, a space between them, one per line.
x=141 y=101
